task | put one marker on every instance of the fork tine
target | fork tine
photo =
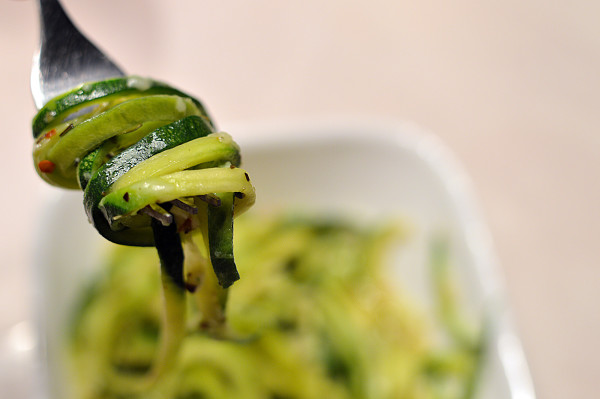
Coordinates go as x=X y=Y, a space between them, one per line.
x=66 y=57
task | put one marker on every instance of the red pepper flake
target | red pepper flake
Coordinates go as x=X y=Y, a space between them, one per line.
x=126 y=197
x=50 y=133
x=46 y=166
x=247 y=177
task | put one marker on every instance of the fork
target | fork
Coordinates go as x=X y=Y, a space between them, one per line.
x=66 y=58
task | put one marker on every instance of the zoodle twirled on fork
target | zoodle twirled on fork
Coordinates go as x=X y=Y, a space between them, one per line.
x=154 y=172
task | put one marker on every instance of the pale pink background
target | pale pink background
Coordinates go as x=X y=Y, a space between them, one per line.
x=512 y=87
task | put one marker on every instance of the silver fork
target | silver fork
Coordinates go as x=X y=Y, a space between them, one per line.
x=66 y=58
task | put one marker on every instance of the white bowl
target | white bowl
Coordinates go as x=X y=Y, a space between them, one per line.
x=363 y=168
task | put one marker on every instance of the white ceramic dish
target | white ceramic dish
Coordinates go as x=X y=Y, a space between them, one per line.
x=365 y=169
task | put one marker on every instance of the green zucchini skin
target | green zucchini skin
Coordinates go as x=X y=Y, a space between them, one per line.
x=150 y=163
x=161 y=139
x=170 y=253
x=220 y=238
x=106 y=129
x=84 y=95
x=118 y=138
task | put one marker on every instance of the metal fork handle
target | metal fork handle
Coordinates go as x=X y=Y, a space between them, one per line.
x=66 y=58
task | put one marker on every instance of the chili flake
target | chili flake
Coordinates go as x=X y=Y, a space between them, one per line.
x=50 y=133
x=46 y=166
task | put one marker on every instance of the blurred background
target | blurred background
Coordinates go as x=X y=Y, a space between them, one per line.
x=511 y=87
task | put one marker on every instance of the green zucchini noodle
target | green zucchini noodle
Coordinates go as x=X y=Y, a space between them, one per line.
x=314 y=315
x=154 y=171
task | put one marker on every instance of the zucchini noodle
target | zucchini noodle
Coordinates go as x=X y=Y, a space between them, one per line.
x=154 y=172
x=314 y=315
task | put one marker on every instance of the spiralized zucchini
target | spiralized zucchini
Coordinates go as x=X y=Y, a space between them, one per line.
x=154 y=172
x=314 y=315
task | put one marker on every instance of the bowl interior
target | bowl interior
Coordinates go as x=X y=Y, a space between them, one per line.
x=364 y=172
